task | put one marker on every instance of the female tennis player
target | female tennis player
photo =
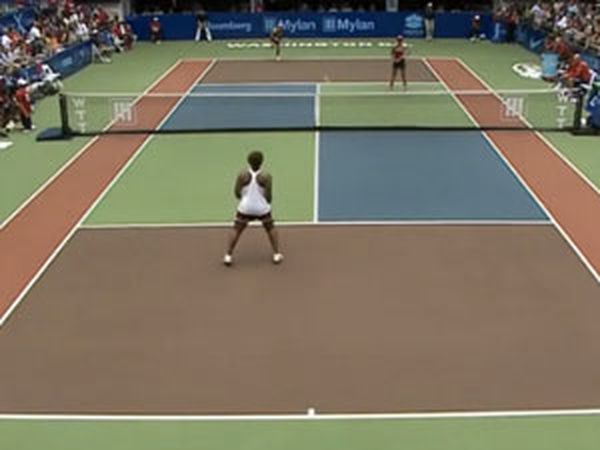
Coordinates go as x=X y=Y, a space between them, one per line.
x=254 y=190
x=399 y=52
x=276 y=37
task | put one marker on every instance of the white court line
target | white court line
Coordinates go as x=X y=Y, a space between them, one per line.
x=316 y=156
x=261 y=84
x=334 y=93
x=76 y=156
x=539 y=134
x=85 y=215
x=357 y=223
x=310 y=83
x=533 y=413
x=315 y=58
x=565 y=236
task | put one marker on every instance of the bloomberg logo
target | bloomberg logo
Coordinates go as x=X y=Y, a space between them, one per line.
x=333 y=24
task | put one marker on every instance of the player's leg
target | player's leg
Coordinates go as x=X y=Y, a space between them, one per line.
x=393 y=76
x=239 y=226
x=273 y=236
x=278 y=50
x=403 y=73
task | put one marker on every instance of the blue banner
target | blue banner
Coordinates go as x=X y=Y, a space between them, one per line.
x=21 y=20
x=312 y=25
x=549 y=65
x=72 y=59
x=531 y=39
x=534 y=40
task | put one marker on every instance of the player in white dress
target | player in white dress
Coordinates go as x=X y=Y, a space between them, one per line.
x=254 y=189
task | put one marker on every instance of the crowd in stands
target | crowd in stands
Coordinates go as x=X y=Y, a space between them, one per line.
x=24 y=74
x=577 y=22
x=153 y=7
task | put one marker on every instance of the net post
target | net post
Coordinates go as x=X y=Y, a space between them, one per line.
x=64 y=116
x=580 y=95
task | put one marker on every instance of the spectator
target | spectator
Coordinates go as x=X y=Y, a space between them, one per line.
x=511 y=21
x=155 y=31
x=562 y=49
x=123 y=34
x=23 y=103
x=24 y=75
x=538 y=14
x=578 y=73
x=6 y=41
x=100 y=51
x=429 y=21
x=34 y=32
x=576 y=21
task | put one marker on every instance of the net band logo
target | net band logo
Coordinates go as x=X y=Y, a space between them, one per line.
x=332 y=24
x=121 y=110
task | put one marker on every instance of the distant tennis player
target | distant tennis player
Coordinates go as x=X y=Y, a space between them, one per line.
x=254 y=189
x=399 y=52
x=276 y=37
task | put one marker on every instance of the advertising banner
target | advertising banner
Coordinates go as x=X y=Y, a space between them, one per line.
x=312 y=25
x=72 y=60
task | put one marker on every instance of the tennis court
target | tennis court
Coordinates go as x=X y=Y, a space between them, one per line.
x=444 y=272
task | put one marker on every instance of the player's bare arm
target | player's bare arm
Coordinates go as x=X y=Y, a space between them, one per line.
x=266 y=181
x=242 y=180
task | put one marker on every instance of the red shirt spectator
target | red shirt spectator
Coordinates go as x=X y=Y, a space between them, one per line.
x=69 y=8
x=14 y=36
x=579 y=71
x=23 y=103
x=563 y=50
x=102 y=16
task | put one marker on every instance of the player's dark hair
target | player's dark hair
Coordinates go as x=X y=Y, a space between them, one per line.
x=255 y=159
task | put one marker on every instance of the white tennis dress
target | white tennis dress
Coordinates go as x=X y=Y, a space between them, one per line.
x=253 y=202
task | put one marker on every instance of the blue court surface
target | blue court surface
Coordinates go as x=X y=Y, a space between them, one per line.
x=417 y=176
x=372 y=176
x=245 y=107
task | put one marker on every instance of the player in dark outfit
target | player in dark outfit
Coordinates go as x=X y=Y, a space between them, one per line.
x=399 y=61
x=276 y=37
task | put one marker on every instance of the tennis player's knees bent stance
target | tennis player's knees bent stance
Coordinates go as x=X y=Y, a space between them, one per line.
x=254 y=190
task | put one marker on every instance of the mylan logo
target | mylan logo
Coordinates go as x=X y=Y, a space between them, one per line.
x=329 y=24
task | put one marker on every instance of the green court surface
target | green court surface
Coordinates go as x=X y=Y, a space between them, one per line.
x=423 y=105
x=27 y=165
x=190 y=179
x=547 y=433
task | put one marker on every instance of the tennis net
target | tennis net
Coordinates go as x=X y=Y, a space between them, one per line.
x=308 y=108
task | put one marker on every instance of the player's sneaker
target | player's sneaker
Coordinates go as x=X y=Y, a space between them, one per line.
x=228 y=259
x=277 y=258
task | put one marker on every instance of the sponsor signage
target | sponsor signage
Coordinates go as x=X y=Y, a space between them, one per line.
x=414 y=26
x=310 y=25
x=528 y=70
x=534 y=40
